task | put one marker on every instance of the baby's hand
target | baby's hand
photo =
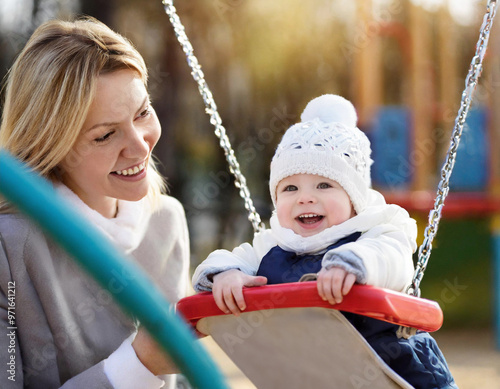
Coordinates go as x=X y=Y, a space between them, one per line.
x=227 y=290
x=334 y=284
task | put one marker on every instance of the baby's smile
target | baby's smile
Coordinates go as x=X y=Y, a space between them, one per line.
x=309 y=218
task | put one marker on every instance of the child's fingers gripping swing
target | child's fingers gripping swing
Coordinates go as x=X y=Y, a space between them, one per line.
x=228 y=289
x=334 y=284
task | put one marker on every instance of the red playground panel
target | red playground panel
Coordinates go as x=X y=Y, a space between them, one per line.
x=458 y=205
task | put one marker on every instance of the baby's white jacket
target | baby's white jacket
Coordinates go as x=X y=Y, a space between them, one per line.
x=385 y=247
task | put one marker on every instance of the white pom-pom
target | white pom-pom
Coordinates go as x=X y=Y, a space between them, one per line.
x=329 y=109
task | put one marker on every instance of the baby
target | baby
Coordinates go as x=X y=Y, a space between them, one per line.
x=329 y=222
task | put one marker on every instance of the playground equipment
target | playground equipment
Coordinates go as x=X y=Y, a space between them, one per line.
x=20 y=187
x=139 y=298
x=269 y=332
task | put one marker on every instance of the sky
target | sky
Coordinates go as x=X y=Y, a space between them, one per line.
x=16 y=14
x=463 y=11
x=11 y=11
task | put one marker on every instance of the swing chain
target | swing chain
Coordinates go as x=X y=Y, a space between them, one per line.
x=443 y=187
x=211 y=110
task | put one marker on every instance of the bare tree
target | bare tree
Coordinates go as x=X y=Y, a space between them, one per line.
x=100 y=9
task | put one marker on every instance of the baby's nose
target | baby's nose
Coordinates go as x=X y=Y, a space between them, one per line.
x=307 y=198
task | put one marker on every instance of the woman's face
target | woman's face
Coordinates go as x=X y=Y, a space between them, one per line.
x=109 y=161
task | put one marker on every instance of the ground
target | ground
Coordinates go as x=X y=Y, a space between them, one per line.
x=473 y=358
x=471 y=354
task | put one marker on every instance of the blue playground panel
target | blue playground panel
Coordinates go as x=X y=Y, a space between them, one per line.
x=395 y=158
x=390 y=138
x=471 y=171
x=139 y=298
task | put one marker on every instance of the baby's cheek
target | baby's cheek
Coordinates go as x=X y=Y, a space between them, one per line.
x=282 y=213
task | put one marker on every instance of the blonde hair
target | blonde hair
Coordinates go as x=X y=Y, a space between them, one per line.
x=50 y=89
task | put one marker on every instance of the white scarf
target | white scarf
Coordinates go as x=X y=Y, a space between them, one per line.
x=126 y=230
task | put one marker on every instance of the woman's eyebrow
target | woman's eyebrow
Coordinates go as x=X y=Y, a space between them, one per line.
x=109 y=124
x=105 y=124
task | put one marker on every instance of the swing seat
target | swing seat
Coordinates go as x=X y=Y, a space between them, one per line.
x=288 y=337
x=378 y=303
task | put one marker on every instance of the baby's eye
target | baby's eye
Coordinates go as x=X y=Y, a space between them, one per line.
x=289 y=188
x=324 y=185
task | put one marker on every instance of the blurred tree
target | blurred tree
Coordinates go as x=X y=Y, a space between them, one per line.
x=100 y=9
x=263 y=60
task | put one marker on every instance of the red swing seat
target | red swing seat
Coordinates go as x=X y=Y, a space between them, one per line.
x=271 y=344
x=378 y=303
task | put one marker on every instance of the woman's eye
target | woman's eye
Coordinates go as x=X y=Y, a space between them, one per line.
x=104 y=138
x=145 y=113
x=289 y=188
x=324 y=185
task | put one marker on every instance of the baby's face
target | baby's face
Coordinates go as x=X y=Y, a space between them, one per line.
x=308 y=204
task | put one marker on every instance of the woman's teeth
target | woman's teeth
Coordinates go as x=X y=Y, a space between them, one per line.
x=131 y=171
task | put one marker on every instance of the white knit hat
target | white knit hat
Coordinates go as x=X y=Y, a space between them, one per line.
x=327 y=143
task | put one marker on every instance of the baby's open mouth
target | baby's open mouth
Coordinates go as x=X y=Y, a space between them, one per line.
x=310 y=218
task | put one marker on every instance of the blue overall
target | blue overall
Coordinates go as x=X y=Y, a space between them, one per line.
x=418 y=360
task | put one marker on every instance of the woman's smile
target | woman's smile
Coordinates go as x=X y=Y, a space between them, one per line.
x=131 y=171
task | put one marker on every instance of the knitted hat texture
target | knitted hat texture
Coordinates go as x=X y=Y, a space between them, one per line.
x=326 y=143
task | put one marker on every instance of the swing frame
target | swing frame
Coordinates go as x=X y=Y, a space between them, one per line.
x=404 y=317
x=408 y=310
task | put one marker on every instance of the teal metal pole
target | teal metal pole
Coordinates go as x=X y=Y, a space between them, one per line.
x=36 y=198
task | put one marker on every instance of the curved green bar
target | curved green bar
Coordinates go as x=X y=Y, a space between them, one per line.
x=35 y=197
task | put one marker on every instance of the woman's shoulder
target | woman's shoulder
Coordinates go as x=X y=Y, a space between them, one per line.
x=169 y=204
x=169 y=210
x=15 y=226
x=20 y=237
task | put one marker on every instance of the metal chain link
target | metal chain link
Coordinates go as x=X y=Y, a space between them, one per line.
x=443 y=187
x=211 y=110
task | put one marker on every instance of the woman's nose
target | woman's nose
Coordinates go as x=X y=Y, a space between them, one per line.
x=137 y=146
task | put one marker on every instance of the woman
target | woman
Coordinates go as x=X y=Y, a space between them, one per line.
x=77 y=112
